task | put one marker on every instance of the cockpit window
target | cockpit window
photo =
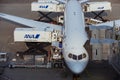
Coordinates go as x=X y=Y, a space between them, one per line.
x=79 y=57
x=70 y=55
x=74 y=57
x=84 y=55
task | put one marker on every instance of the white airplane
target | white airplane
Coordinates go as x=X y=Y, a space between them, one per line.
x=73 y=33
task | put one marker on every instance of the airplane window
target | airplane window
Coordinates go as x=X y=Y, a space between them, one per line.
x=79 y=57
x=70 y=55
x=74 y=57
x=84 y=55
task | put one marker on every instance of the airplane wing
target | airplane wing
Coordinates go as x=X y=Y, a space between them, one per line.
x=62 y=1
x=115 y=23
x=30 y=23
x=98 y=41
x=106 y=25
x=83 y=1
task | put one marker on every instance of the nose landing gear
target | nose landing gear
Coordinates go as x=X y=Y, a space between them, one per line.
x=76 y=77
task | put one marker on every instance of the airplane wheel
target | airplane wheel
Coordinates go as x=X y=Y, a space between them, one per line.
x=76 y=77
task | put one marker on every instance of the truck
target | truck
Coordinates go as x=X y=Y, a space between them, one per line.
x=96 y=6
x=3 y=57
x=47 y=7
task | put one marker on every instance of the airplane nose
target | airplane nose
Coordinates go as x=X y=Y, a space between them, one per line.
x=77 y=67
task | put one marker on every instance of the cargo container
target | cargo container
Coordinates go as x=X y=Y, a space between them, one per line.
x=97 y=6
x=47 y=7
x=31 y=35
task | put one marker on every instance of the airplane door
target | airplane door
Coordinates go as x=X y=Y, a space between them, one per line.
x=96 y=53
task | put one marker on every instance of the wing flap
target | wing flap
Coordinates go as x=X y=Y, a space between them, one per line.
x=110 y=23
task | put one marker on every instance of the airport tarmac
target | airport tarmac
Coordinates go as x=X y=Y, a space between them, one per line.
x=7 y=44
x=94 y=71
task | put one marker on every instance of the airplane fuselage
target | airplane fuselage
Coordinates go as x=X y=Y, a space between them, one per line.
x=76 y=56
